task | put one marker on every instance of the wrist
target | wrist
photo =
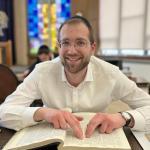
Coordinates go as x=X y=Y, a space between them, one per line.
x=39 y=114
x=128 y=118
x=132 y=122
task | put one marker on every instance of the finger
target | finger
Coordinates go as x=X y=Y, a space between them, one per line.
x=62 y=122
x=93 y=124
x=75 y=125
x=79 y=118
x=109 y=129
x=56 y=124
x=77 y=131
x=103 y=127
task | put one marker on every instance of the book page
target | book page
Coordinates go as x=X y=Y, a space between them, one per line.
x=115 y=140
x=35 y=136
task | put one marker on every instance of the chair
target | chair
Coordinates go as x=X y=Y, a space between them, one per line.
x=8 y=82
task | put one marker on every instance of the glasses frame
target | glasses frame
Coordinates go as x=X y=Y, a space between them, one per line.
x=78 y=44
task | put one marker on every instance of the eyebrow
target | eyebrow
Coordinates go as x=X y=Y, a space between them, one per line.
x=67 y=39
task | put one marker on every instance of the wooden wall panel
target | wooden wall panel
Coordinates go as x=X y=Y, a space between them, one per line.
x=90 y=10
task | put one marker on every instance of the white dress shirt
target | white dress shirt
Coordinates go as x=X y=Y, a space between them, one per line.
x=103 y=84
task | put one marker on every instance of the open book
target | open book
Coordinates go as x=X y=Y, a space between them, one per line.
x=44 y=134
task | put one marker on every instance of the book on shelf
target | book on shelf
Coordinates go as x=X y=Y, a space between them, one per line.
x=44 y=134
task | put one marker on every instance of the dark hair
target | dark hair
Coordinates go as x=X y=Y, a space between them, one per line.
x=78 y=19
x=43 y=49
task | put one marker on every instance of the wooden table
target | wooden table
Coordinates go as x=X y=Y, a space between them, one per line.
x=6 y=134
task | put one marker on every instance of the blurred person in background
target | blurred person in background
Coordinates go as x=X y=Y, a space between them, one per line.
x=44 y=54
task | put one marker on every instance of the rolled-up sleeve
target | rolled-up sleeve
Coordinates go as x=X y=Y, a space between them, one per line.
x=139 y=101
x=17 y=117
x=140 y=121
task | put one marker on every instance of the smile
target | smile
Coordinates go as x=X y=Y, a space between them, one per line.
x=73 y=58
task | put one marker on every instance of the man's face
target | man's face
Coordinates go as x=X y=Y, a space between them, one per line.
x=75 y=48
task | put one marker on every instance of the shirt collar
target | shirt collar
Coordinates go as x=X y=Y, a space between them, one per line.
x=88 y=77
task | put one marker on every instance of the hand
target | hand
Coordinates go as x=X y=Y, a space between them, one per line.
x=60 y=119
x=105 y=122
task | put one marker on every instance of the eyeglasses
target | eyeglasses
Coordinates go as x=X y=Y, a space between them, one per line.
x=78 y=44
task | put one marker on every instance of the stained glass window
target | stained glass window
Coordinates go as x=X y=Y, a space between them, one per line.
x=44 y=18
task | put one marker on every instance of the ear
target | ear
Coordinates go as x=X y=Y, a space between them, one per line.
x=58 y=46
x=93 y=48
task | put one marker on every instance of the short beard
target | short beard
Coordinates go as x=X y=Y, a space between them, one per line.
x=73 y=68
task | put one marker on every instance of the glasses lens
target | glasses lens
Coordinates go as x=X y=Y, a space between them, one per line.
x=77 y=44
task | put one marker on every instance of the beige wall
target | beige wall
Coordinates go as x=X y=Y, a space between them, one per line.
x=20 y=31
x=90 y=10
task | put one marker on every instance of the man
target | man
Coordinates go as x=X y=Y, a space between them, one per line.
x=79 y=81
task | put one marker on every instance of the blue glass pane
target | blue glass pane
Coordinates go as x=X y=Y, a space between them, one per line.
x=36 y=22
x=32 y=18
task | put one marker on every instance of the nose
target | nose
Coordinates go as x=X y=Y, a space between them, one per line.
x=72 y=49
